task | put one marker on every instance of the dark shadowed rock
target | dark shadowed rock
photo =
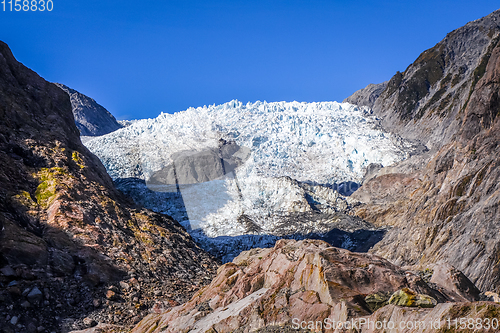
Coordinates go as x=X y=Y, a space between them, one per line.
x=35 y=296
x=193 y=166
x=91 y=118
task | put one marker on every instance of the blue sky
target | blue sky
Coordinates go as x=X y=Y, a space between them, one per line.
x=139 y=58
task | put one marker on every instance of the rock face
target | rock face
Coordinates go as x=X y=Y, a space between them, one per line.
x=67 y=237
x=445 y=317
x=444 y=204
x=427 y=102
x=91 y=118
x=302 y=282
x=368 y=95
x=452 y=279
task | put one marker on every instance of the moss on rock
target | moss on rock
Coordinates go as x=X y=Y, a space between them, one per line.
x=377 y=300
x=407 y=297
x=75 y=156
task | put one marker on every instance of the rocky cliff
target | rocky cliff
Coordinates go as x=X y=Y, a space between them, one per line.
x=73 y=250
x=427 y=101
x=91 y=118
x=368 y=95
x=444 y=204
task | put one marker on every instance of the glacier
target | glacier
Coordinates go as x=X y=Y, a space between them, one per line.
x=287 y=186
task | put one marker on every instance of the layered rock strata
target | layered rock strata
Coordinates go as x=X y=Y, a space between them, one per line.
x=444 y=204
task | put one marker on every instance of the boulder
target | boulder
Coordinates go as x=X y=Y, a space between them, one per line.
x=450 y=278
x=35 y=296
x=377 y=300
x=492 y=297
x=8 y=271
x=306 y=280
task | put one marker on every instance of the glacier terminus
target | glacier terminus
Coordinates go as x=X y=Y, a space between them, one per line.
x=240 y=175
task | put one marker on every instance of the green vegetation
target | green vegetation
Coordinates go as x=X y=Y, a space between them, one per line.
x=436 y=97
x=75 y=156
x=49 y=180
x=461 y=187
x=430 y=70
x=377 y=300
x=444 y=103
x=24 y=198
x=458 y=77
x=393 y=84
x=480 y=70
x=407 y=297
x=445 y=81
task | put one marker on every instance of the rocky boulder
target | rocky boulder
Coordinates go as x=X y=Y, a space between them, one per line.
x=450 y=278
x=296 y=281
x=407 y=297
x=445 y=317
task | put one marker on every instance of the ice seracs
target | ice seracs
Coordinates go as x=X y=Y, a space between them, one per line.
x=323 y=142
x=296 y=152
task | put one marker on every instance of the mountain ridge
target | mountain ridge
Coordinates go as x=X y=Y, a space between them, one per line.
x=425 y=101
x=91 y=118
x=446 y=198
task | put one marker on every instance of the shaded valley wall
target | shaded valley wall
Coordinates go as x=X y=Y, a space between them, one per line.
x=65 y=230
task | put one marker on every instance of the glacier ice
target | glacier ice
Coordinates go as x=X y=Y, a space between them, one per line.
x=297 y=150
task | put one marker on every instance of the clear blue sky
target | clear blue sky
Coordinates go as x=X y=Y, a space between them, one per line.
x=138 y=58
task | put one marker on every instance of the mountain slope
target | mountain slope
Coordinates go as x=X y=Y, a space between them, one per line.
x=368 y=95
x=71 y=245
x=427 y=101
x=447 y=199
x=91 y=118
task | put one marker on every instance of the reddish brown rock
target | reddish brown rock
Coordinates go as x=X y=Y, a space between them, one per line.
x=451 y=279
x=304 y=280
x=445 y=317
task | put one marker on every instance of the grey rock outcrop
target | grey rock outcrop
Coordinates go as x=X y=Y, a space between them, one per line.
x=91 y=118
x=368 y=95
